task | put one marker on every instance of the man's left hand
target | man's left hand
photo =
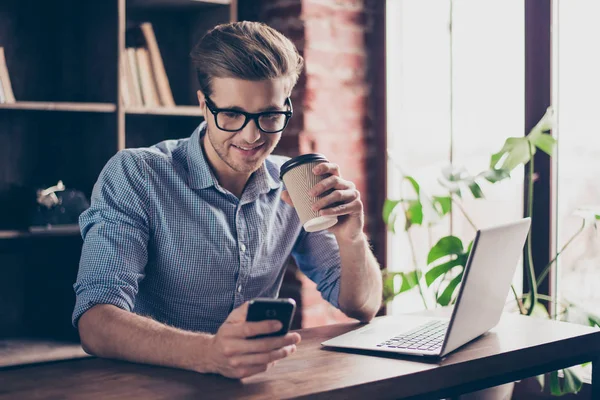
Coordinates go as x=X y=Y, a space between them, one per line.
x=343 y=201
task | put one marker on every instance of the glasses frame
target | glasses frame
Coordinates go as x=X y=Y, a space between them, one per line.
x=250 y=116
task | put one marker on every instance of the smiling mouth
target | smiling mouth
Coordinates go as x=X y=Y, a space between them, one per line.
x=248 y=148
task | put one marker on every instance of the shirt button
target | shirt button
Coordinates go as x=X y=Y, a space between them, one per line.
x=243 y=247
x=240 y=289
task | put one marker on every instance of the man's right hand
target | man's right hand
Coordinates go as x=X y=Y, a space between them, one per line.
x=234 y=355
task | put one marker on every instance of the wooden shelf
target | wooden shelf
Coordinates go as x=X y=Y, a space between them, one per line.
x=61 y=230
x=185 y=111
x=176 y=3
x=67 y=123
x=60 y=106
x=15 y=352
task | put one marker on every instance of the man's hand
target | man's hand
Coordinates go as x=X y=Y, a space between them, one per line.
x=360 y=279
x=343 y=201
x=233 y=355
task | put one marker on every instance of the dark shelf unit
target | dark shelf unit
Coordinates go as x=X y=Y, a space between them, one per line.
x=60 y=106
x=68 y=120
x=58 y=230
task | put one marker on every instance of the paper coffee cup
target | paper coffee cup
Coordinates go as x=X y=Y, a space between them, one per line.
x=299 y=178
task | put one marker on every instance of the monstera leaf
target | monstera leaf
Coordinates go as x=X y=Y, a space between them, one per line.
x=495 y=175
x=571 y=382
x=516 y=151
x=417 y=210
x=409 y=279
x=519 y=150
x=450 y=252
x=443 y=204
x=389 y=214
x=456 y=179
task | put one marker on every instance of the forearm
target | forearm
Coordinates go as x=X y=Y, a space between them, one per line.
x=110 y=332
x=361 y=284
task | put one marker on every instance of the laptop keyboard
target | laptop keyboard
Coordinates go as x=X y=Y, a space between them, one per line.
x=428 y=336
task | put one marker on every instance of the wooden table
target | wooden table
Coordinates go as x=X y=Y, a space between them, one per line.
x=517 y=348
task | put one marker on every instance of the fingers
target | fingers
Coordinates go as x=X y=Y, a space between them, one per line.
x=355 y=207
x=238 y=314
x=327 y=168
x=262 y=345
x=240 y=358
x=340 y=192
x=246 y=360
x=243 y=330
x=329 y=183
x=285 y=196
x=267 y=344
x=342 y=199
x=337 y=196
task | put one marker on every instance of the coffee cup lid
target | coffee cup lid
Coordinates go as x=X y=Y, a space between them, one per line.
x=299 y=160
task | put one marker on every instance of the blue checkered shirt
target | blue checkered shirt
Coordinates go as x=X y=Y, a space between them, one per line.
x=163 y=239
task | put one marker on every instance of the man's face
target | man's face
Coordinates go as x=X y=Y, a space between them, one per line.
x=243 y=151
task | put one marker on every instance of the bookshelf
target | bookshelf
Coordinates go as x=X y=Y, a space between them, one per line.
x=181 y=111
x=60 y=106
x=63 y=58
x=176 y=3
x=62 y=230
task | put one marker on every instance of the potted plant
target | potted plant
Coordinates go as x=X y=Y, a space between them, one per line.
x=440 y=277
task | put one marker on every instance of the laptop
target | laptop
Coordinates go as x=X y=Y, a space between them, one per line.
x=481 y=298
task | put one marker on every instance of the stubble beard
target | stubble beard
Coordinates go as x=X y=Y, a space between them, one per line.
x=224 y=152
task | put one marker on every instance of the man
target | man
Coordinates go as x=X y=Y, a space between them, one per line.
x=181 y=235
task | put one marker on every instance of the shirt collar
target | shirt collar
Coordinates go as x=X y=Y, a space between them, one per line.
x=202 y=177
x=199 y=173
x=264 y=180
x=273 y=181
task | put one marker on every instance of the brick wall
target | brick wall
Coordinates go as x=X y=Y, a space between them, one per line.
x=337 y=104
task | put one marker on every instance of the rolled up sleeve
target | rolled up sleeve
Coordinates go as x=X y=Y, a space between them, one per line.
x=115 y=230
x=318 y=257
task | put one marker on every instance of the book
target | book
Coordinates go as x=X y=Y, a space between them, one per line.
x=135 y=99
x=126 y=94
x=134 y=77
x=2 y=97
x=158 y=69
x=9 y=96
x=149 y=92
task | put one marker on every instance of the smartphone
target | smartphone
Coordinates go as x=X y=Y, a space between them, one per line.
x=282 y=310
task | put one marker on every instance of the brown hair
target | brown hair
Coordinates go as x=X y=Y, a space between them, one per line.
x=245 y=50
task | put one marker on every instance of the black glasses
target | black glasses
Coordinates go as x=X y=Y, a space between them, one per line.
x=233 y=120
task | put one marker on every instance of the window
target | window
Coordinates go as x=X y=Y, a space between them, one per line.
x=452 y=97
x=576 y=83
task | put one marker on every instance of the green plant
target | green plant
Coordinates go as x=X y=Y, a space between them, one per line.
x=446 y=259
